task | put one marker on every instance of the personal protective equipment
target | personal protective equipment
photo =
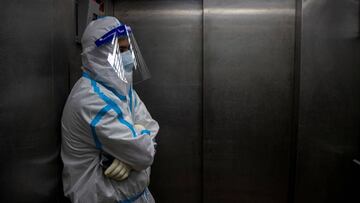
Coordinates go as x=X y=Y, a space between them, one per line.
x=139 y=128
x=97 y=122
x=103 y=59
x=128 y=61
x=142 y=130
x=117 y=170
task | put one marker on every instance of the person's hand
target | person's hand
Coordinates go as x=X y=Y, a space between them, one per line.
x=139 y=128
x=117 y=170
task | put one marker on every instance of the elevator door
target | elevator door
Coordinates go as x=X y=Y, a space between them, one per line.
x=222 y=93
x=329 y=111
x=248 y=91
x=170 y=37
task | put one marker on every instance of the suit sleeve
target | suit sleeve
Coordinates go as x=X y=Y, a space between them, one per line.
x=118 y=139
x=143 y=117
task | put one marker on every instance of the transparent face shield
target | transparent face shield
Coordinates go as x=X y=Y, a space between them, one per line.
x=124 y=55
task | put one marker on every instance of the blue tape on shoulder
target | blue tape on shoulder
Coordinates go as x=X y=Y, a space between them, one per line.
x=111 y=103
x=120 y=96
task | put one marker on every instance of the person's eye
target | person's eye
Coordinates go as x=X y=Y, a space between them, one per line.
x=122 y=49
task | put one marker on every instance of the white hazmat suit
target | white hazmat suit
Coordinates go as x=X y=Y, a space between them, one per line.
x=98 y=120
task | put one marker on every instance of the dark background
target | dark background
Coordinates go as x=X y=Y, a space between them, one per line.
x=258 y=101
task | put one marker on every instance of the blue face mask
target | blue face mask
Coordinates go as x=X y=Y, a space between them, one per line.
x=127 y=60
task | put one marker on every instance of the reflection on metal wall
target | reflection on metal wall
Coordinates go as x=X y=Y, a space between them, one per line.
x=228 y=88
x=75 y=50
x=169 y=34
x=40 y=62
x=329 y=103
x=248 y=71
x=34 y=86
x=248 y=64
x=251 y=97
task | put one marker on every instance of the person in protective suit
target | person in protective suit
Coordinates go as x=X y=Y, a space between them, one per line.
x=108 y=135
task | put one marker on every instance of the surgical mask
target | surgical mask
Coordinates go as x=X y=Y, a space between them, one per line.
x=128 y=60
x=129 y=77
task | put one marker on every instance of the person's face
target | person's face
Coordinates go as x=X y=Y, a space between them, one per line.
x=123 y=44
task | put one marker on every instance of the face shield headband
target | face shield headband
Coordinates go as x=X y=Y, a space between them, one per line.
x=139 y=71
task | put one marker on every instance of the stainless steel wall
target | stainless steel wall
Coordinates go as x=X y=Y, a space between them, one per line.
x=170 y=35
x=229 y=69
x=35 y=39
x=255 y=103
x=329 y=111
x=273 y=108
x=39 y=63
x=248 y=72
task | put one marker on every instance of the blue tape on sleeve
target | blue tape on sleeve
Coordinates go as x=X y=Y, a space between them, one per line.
x=145 y=132
x=111 y=103
x=134 y=198
x=94 y=122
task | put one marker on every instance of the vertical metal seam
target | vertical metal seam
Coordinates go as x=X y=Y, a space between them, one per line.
x=52 y=52
x=52 y=58
x=295 y=103
x=203 y=115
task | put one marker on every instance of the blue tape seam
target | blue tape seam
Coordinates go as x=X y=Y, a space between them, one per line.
x=95 y=121
x=112 y=104
x=120 y=96
x=132 y=199
x=145 y=132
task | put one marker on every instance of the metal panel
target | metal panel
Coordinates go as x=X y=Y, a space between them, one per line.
x=329 y=103
x=170 y=36
x=75 y=50
x=248 y=72
x=33 y=85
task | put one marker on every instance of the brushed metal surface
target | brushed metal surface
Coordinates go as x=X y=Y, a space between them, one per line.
x=34 y=40
x=169 y=34
x=329 y=103
x=248 y=72
x=223 y=89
